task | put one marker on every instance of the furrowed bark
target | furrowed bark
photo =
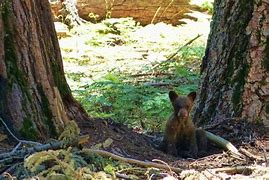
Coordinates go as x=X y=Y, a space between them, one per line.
x=235 y=69
x=35 y=99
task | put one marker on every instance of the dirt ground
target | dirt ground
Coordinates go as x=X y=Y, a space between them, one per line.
x=132 y=144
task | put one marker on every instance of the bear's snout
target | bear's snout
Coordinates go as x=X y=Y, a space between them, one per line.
x=183 y=113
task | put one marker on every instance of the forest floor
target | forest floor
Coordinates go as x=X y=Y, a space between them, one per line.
x=216 y=164
x=122 y=72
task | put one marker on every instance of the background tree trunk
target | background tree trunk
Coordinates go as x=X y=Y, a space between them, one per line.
x=145 y=12
x=69 y=13
x=235 y=68
x=35 y=99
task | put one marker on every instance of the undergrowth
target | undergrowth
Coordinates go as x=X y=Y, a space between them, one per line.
x=139 y=105
x=107 y=77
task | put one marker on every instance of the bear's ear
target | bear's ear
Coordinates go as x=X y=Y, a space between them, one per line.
x=173 y=96
x=192 y=96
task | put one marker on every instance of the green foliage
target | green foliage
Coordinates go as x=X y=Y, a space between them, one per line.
x=131 y=104
x=70 y=133
x=55 y=164
x=112 y=31
x=75 y=76
x=108 y=89
x=104 y=164
x=192 y=53
x=125 y=103
x=208 y=6
x=71 y=164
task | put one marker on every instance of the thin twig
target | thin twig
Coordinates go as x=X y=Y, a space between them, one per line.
x=237 y=169
x=17 y=139
x=9 y=130
x=155 y=14
x=170 y=3
x=124 y=176
x=52 y=145
x=16 y=147
x=250 y=155
x=174 y=54
x=158 y=160
x=179 y=49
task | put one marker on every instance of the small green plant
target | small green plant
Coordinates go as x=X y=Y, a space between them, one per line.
x=208 y=6
x=75 y=76
x=93 y=17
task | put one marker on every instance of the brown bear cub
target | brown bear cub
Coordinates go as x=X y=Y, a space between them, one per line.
x=181 y=138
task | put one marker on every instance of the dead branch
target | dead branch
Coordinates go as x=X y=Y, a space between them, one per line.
x=250 y=155
x=174 y=54
x=237 y=169
x=179 y=49
x=20 y=154
x=130 y=160
x=123 y=176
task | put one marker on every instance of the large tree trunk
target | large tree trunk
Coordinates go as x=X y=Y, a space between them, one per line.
x=35 y=99
x=235 y=69
x=145 y=12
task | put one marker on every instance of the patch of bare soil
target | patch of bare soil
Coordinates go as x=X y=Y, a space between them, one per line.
x=132 y=144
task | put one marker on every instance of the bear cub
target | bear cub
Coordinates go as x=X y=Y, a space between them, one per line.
x=181 y=138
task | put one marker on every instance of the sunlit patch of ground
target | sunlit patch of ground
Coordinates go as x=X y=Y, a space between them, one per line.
x=123 y=46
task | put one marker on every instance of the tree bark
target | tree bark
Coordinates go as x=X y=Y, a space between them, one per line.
x=35 y=99
x=235 y=68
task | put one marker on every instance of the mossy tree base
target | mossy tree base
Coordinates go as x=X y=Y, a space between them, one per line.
x=35 y=99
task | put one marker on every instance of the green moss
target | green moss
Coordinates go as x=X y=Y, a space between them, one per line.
x=3 y=94
x=267 y=108
x=28 y=130
x=240 y=80
x=237 y=48
x=230 y=70
x=266 y=58
x=59 y=79
x=237 y=66
x=15 y=75
x=47 y=111
x=237 y=96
